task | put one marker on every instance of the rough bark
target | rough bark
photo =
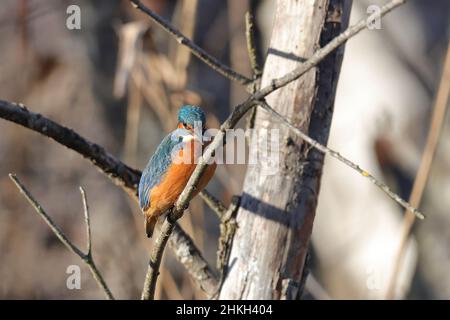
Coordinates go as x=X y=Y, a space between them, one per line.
x=277 y=211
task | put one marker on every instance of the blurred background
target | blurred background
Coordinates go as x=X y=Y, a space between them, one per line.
x=119 y=81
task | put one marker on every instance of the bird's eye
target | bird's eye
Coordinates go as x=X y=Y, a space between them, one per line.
x=184 y=124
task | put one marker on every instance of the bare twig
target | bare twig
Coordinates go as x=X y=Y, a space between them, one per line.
x=117 y=171
x=316 y=145
x=228 y=227
x=211 y=61
x=251 y=46
x=87 y=258
x=87 y=221
x=213 y=203
x=148 y=293
x=437 y=121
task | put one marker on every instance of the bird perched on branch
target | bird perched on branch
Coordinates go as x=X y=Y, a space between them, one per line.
x=171 y=166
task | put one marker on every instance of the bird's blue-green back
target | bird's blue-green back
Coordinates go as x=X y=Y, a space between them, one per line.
x=158 y=164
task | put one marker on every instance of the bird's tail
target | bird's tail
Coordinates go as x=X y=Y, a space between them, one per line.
x=150 y=222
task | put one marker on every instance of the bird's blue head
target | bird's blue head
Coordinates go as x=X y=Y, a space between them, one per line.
x=189 y=115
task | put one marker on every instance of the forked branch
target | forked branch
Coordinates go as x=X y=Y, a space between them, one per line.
x=211 y=61
x=86 y=257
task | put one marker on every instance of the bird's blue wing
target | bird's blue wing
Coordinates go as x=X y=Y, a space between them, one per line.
x=158 y=164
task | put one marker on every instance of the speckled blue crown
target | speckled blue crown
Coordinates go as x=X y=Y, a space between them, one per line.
x=189 y=114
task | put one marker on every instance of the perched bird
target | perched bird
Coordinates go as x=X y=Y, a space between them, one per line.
x=171 y=166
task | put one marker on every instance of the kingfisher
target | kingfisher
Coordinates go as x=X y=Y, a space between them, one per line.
x=170 y=167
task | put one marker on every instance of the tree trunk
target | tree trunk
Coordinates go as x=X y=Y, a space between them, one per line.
x=269 y=250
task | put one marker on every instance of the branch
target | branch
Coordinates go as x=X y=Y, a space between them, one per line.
x=87 y=221
x=251 y=46
x=325 y=150
x=118 y=172
x=87 y=258
x=148 y=292
x=228 y=226
x=213 y=203
x=211 y=61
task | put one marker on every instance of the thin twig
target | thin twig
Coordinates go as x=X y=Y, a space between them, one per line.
x=122 y=175
x=213 y=203
x=240 y=110
x=316 y=145
x=437 y=121
x=253 y=57
x=251 y=46
x=211 y=61
x=148 y=292
x=87 y=258
x=87 y=221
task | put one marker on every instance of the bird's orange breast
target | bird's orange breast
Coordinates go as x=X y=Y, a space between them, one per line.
x=164 y=195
